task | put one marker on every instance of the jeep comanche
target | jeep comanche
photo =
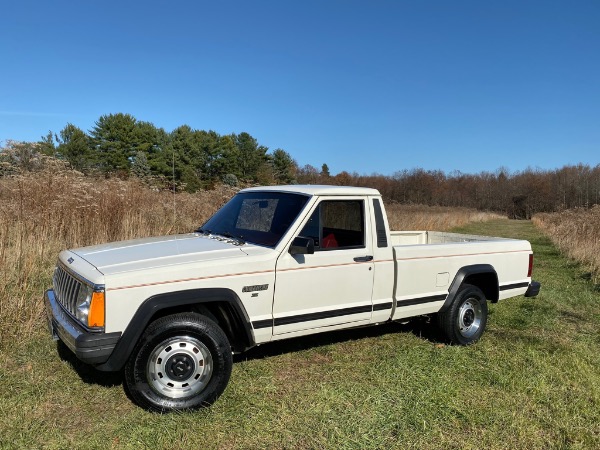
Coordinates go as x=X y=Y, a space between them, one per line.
x=273 y=263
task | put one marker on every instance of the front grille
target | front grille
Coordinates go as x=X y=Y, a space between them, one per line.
x=66 y=289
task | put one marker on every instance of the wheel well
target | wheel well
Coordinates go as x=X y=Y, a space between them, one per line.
x=222 y=306
x=487 y=282
x=220 y=312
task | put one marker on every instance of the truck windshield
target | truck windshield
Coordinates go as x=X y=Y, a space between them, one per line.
x=258 y=217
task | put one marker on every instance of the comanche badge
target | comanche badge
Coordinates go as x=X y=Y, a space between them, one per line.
x=255 y=288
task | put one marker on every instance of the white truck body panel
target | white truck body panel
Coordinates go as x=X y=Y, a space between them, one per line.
x=424 y=270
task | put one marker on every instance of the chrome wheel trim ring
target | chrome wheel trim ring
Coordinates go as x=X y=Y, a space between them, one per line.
x=469 y=317
x=179 y=367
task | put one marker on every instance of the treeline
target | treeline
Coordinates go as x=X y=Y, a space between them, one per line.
x=188 y=159
x=518 y=194
x=194 y=159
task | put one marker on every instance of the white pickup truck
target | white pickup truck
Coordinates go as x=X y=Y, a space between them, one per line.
x=273 y=263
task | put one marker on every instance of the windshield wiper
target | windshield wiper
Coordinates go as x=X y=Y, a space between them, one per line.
x=235 y=238
x=238 y=239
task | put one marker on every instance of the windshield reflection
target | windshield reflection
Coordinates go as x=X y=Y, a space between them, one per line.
x=258 y=217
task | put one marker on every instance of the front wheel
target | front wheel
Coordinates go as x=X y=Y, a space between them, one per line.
x=464 y=321
x=182 y=361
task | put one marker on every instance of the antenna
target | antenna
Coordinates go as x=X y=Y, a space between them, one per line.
x=173 y=185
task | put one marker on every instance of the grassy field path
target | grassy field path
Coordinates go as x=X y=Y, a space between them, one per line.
x=532 y=382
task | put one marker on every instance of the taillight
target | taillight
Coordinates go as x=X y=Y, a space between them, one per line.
x=530 y=268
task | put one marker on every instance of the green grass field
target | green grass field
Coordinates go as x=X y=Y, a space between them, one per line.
x=532 y=382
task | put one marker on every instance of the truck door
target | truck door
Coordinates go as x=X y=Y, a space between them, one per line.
x=334 y=285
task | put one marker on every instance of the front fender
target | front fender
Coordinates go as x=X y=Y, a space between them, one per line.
x=168 y=300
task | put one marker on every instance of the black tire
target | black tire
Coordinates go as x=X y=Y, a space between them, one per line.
x=464 y=321
x=182 y=362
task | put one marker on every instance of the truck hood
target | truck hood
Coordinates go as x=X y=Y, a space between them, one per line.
x=140 y=254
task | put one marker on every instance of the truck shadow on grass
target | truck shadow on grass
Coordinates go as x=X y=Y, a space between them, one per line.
x=87 y=373
x=421 y=327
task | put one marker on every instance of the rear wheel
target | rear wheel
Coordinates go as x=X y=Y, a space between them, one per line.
x=464 y=321
x=182 y=361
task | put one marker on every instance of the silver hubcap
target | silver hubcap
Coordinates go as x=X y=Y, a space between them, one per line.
x=179 y=367
x=469 y=318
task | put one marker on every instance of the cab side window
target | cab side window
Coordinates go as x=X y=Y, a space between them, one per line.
x=337 y=224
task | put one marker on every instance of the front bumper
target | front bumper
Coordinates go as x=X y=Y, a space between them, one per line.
x=91 y=348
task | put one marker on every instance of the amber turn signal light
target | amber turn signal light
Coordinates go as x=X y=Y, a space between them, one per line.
x=96 y=314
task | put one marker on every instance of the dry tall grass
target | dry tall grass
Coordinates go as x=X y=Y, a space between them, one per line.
x=44 y=214
x=576 y=232
x=433 y=218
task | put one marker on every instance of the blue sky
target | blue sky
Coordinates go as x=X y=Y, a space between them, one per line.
x=365 y=86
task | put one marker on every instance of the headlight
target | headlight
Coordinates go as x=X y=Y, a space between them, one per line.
x=90 y=307
x=84 y=299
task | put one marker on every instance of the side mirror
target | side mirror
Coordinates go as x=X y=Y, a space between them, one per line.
x=302 y=246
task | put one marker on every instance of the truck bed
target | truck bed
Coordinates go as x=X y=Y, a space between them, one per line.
x=436 y=237
x=426 y=262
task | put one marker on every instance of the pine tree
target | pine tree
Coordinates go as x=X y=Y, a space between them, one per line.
x=74 y=146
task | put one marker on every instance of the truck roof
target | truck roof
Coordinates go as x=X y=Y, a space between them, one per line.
x=314 y=189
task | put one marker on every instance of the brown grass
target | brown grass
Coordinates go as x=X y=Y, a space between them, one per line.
x=433 y=218
x=576 y=232
x=43 y=214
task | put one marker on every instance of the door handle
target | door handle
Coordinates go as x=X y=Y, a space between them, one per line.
x=363 y=258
